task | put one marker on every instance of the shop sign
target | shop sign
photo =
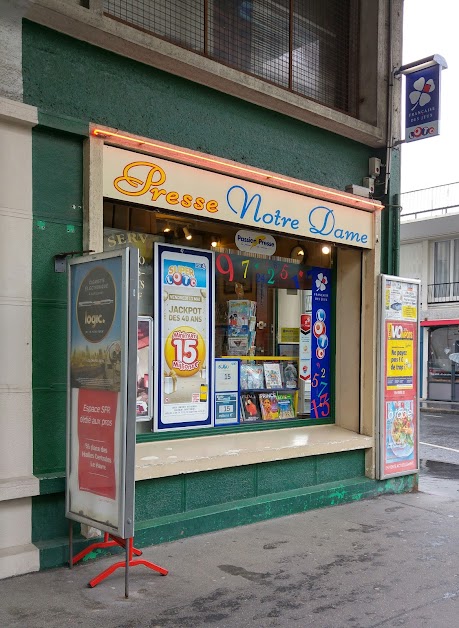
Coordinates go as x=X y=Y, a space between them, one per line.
x=289 y=335
x=252 y=242
x=158 y=183
x=422 y=105
x=184 y=322
x=117 y=239
x=399 y=407
x=319 y=343
x=101 y=390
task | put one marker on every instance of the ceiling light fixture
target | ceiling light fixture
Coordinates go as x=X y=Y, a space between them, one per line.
x=297 y=253
x=326 y=250
x=187 y=233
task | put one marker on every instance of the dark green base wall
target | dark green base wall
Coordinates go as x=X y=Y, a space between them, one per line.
x=186 y=505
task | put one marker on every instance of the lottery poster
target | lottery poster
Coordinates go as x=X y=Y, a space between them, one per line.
x=320 y=343
x=399 y=405
x=184 y=315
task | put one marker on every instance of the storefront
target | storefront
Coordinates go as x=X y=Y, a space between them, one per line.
x=241 y=220
x=257 y=306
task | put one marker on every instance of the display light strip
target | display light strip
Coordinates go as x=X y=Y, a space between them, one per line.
x=290 y=184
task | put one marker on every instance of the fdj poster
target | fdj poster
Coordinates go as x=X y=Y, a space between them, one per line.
x=320 y=343
x=98 y=380
x=184 y=298
x=398 y=414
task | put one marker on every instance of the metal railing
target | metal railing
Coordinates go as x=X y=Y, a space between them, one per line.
x=430 y=202
x=443 y=292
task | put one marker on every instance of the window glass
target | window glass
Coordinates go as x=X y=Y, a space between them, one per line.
x=272 y=312
x=442 y=269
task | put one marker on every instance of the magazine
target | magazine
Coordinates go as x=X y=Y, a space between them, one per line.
x=238 y=346
x=273 y=377
x=269 y=406
x=255 y=379
x=286 y=406
x=290 y=374
x=250 y=410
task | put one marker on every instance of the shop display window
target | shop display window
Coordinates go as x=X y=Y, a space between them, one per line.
x=272 y=314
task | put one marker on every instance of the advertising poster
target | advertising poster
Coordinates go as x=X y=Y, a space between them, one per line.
x=320 y=345
x=399 y=364
x=97 y=390
x=305 y=347
x=144 y=368
x=184 y=315
x=227 y=374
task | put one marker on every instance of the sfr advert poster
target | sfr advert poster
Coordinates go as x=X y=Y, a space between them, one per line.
x=97 y=410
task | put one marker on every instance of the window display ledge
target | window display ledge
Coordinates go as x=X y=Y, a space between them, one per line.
x=191 y=455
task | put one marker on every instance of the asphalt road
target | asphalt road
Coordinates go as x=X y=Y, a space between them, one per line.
x=439 y=453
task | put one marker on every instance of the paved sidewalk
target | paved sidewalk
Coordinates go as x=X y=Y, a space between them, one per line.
x=390 y=561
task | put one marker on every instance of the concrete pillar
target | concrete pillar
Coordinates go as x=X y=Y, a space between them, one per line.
x=17 y=483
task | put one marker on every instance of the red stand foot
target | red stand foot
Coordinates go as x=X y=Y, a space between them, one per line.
x=115 y=541
x=132 y=563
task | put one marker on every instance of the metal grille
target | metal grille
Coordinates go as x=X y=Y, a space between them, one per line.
x=306 y=46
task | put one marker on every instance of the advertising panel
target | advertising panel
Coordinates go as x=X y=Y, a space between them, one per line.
x=399 y=408
x=184 y=323
x=101 y=390
x=320 y=344
x=156 y=182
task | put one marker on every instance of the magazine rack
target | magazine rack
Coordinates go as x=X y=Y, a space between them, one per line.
x=265 y=393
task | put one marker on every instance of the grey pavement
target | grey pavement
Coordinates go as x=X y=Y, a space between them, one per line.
x=389 y=561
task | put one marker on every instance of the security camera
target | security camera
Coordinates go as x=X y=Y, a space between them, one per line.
x=374 y=167
x=369 y=183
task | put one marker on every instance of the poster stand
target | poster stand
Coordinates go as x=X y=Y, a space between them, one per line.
x=113 y=541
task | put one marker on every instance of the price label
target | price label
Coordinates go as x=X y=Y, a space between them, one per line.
x=226 y=375
x=226 y=408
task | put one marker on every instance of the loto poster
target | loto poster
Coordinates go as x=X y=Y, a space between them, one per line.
x=184 y=315
x=399 y=408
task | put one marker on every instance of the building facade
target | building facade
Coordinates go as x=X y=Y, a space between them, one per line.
x=239 y=124
x=429 y=251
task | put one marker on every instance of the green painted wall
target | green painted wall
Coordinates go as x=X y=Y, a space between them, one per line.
x=65 y=76
x=57 y=228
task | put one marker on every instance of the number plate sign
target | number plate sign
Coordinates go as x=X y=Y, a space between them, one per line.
x=227 y=373
x=184 y=323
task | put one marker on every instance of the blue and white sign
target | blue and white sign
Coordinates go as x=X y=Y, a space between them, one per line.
x=422 y=105
x=227 y=374
x=320 y=343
